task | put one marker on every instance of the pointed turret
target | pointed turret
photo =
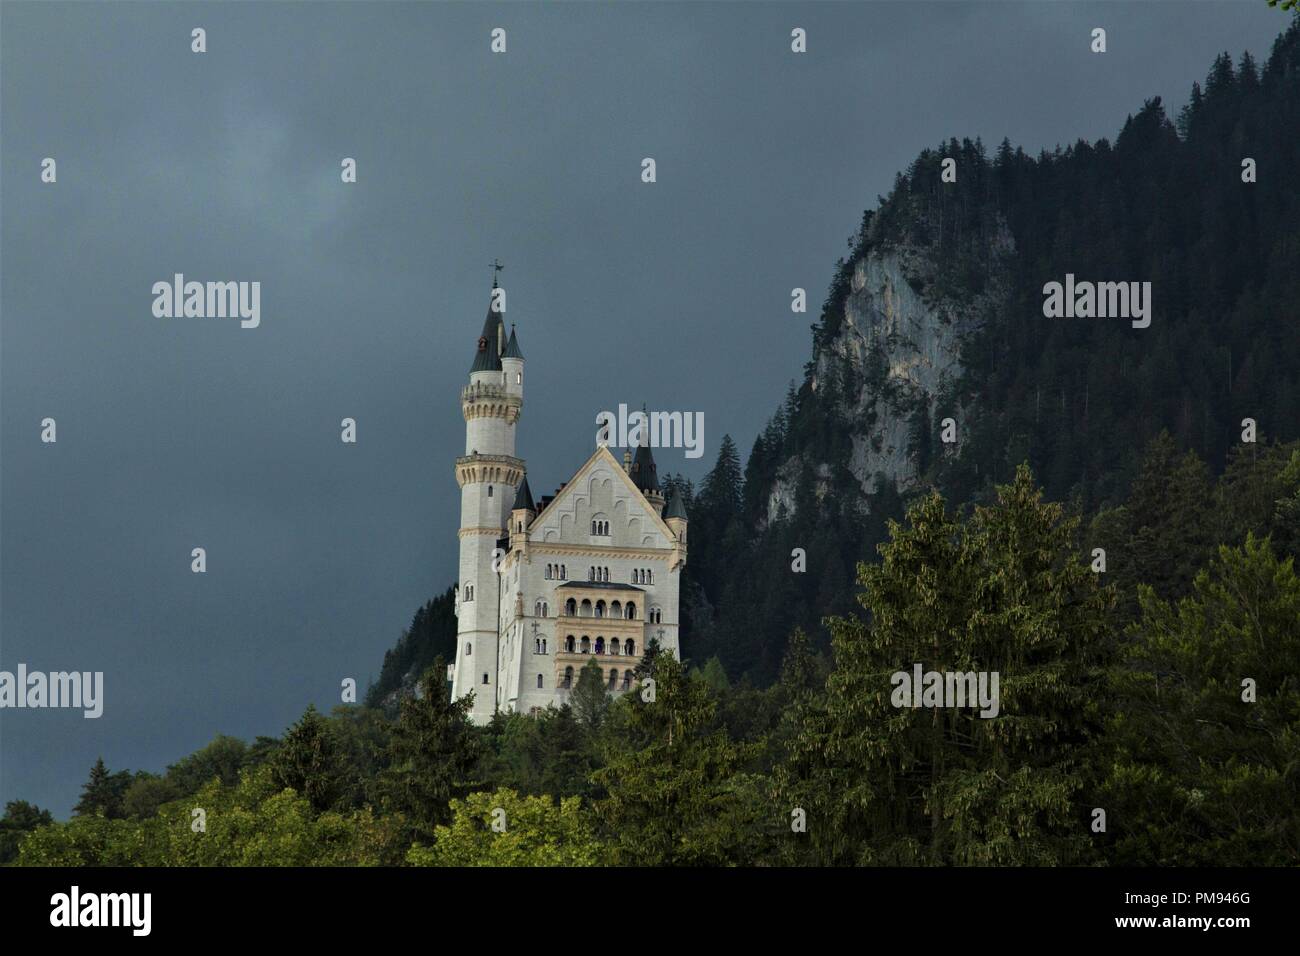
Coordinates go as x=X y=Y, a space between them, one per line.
x=487 y=356
x=675 y=518
x=524 y=498
x=512 y=346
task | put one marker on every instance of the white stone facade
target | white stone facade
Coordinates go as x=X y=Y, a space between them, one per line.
x=594 y=575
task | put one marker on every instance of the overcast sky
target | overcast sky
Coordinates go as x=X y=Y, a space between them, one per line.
x=183 y=433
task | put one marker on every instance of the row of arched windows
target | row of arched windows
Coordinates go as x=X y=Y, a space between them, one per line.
x=469 y=593
x=540 y=645
x=643 y=576
x=598 y=574
x=557 y=572
x=586 y=609
x=541 y=609
x=614 y=681
x=656 y=615
x=625 y=648
x=600 y=527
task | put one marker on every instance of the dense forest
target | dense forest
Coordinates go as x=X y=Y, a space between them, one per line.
x=1105 y=536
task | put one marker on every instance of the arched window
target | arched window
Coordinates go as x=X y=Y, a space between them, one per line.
x=570 y=607
x=548 y=572
x=485 y=678
x=543 y=645
x=607 y=575
x=591 y=573
x=600 y=609
x=600 y=645
x=568 y=643
x=615 y=609
x=631 y=648
x=586 y=644
x=469 y=650
x=585 y=610
x=546 y=609
x=613 y=645
x=469 y=592
x=627 y=679
x=613 y=677
x=594 y=527
x=636 y=576
x=650 y=576
x=539 y=681
x=564 y=572
x=568 y=676
x=631 y=611
x=489 y=495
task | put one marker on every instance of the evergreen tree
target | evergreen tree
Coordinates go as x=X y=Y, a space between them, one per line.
x=20 y=819
x=308 y=762
x=590 y=697
x=103 y=792
x=1203 y=774
x=432 y=752
x=675 y=797
x=1005 y=593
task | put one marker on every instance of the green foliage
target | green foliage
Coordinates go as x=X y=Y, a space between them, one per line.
x=1202 y=777
x=103 y=793
x=250 y=824
x=1003 y=591
x=432 y=752
x=20 y=819
x=430 y=636
x=674 y=794
x=308 y=762
x=506 y=829
x=590 y=697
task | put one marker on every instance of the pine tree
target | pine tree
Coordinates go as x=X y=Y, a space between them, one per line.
x=1203 y=776
x=308 y=762
x=675 y=794
x=102 y=793
x=433 y=750
x=590 y=697
x=1003 y=592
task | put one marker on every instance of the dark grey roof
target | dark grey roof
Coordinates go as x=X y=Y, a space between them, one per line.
x=675 y=509
x=603 y=585
x=488 y=356
x=524 y=498
x=644 y=474
x=512 y=347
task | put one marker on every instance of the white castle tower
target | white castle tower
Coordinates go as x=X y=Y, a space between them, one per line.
x=488 y=474
x=589 y=573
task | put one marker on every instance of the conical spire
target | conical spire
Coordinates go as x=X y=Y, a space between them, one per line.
x=676 y=507
x=524 y=498
x=512 y=347
x=487 y=358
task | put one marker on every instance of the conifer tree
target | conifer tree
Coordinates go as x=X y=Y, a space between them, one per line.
x=1002 y=592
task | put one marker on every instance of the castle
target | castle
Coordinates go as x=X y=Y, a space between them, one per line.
x=590 y=572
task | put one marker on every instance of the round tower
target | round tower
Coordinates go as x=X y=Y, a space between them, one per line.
x=488 y=474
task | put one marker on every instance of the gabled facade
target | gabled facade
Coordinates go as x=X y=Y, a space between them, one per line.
x=592 y=572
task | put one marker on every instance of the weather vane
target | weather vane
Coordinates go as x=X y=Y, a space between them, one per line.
x=496 y=267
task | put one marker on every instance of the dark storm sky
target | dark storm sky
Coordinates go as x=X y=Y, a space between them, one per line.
x=180 y=433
